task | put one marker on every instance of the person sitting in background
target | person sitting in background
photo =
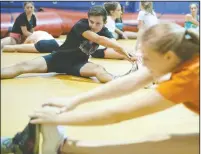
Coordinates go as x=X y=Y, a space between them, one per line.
x=119 y=21
x=23 y=26
x=37 y=42
x=146 y=18
x=192 y=20
x=119 y=24
x=114 y=12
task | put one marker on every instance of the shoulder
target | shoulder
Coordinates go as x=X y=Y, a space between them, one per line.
x=21 y=18
x=154 y=13
x=188 y=16
x=82 y=22
x=109 y=19
x=183 y=86
x=81 y=26
x=104 y=30
x=141 y=15
x=22 y=14
x=142 y=12
x=34 y=16
x=187 y=74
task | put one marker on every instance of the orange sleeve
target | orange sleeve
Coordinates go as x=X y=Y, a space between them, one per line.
x=182 y=87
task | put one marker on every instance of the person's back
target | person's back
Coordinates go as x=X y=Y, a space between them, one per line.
x=186 y=77
x=110 y=24
x=42 y=35
x=37 y=36
x=149 y=19
x=146 y=18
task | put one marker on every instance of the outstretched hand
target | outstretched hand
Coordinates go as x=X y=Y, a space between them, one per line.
x=65 y=104
x=44 y=116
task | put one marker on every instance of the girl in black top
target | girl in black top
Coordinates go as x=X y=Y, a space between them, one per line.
x=23 y=26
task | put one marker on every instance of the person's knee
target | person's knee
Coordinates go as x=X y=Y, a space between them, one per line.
x=8 y=41
x=99 y=70
x=23 y=66
x=13 y=41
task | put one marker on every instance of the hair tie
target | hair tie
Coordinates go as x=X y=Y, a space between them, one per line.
x=187 y=36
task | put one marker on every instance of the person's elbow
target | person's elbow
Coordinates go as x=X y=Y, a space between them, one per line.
x=99 y=39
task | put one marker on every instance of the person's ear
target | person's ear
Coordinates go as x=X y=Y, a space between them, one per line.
x=170 y=55
x=111 y=12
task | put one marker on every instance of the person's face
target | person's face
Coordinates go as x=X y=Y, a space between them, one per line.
x=193 y=9
x=29 y=8
x=159 y=64
x=117 y=12
x=96 y=23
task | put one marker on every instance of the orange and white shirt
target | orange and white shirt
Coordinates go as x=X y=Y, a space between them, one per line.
x=183 y=86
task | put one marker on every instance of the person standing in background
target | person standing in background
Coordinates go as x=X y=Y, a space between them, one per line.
x=146 y=18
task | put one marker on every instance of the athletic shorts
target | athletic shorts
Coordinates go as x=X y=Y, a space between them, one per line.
x=17 y=37
x=45 y=46
x=100 y=53
x=60 y=63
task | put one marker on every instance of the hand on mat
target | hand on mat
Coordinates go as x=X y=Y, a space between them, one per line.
x=44 y=116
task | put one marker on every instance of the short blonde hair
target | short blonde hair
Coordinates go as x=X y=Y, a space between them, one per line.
x=28 y=2
x=148 y=6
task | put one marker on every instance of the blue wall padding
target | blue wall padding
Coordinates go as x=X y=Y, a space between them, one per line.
x=130 y=6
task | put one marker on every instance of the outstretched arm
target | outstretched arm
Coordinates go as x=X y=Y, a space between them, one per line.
x=25 y=31
x=146 y=103
x=112 y=89
x=104 y=41
x=118 y=31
